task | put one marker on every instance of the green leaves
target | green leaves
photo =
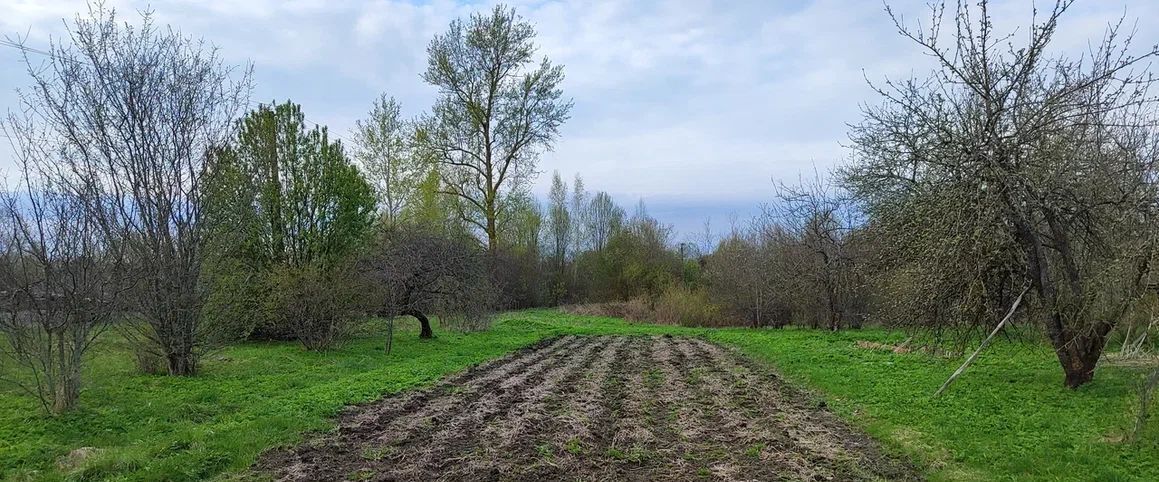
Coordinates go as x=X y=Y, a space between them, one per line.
x=300 y=199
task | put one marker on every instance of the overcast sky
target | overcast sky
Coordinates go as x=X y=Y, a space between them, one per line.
x=696 y=107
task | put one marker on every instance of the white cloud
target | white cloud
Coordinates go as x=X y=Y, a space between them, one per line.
x=695 y=100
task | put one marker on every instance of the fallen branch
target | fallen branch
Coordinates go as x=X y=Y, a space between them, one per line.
x=985 y=343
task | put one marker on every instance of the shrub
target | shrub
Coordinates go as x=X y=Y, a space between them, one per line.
x=679 y=305
x=320 y=306
x=467 y=322
x=635 y=309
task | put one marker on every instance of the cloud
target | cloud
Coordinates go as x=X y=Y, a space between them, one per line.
x=683 y=102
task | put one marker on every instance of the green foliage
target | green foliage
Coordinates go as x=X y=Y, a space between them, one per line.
x=285 y=199
x=485 y=141
x=434 y=211
x=637 y=261
x=1008 y=417
x=301 y=198
x=384 y=148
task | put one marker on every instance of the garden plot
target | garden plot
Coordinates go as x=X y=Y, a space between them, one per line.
x=595 y=408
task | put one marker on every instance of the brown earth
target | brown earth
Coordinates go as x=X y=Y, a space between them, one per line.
x=595 y=408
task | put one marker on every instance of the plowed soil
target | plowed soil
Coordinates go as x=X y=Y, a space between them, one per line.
x=595 y=408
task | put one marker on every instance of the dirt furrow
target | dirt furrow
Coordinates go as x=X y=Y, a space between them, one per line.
x=478 y=376
x=435 y=410
x=792 y=428
x=761 y=432
x=681 y=427
x=595 y=408
x=511 y=438
x=571 y=432
x=370 y=434
x=447 y=446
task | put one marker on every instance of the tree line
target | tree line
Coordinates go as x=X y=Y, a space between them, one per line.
x=155 y=199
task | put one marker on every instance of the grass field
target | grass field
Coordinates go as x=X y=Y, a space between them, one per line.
x=1008 y=417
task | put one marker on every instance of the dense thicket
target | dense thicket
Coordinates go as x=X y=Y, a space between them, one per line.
x=290 y=212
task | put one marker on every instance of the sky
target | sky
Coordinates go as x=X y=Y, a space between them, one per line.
x=696 y=107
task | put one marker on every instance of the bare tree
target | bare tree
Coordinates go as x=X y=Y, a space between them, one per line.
x=416 y=272
x=604 y=218
x=743 y=275
x=819 y=224
x=136 y=111
x=61 y=280
x=1043 y=164
x=497 y=110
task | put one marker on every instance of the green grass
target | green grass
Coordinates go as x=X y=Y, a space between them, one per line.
x=1008 y=417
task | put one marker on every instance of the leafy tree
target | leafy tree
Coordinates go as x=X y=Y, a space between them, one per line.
x=604 y=218
x=517 y=270
x=497 y=110
x=309 y=204
x=383 y=146
x=559 y=231
x=433 y=211
x=300 y=209
x=638 y=259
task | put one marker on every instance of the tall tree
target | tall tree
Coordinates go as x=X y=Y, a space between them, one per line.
x=604 y=219
x=383 y=146
x=291 y=210
x=134 y=112
x=310 y=203
x=1016 y=158
x=497 y=110
x=559 y=230
x=579 y=210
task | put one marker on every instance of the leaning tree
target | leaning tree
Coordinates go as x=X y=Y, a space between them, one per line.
x=1009 y=168
x=412 y=271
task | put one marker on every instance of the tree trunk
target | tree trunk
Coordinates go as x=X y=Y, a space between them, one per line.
x=389 y=335
x=182 y=363
x=1079 y=368
x=1078 y=353
x=67 y=392
x=492 y=229
x=1079 y=356
x=426 y=324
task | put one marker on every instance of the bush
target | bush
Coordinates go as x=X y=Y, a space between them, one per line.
x=636 y=309
x=320 y=306
x=467 y=323
x=682 y=306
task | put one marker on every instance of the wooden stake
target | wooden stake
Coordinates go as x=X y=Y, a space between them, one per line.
x=985 y=343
